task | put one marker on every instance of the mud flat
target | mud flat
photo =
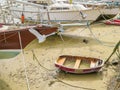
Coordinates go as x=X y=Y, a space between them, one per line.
x=40 y=58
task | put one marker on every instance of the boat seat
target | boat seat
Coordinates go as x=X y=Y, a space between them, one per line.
x=61 y=61
x=92 y=64
x=77 y=63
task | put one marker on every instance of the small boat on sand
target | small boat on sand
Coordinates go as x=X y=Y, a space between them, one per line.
x=113 y=22
x=78 y=64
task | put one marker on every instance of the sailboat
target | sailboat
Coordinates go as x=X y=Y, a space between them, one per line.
x=56 y=12
x=59 y=11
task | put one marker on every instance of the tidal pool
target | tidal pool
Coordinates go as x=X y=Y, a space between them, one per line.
x=6 y=54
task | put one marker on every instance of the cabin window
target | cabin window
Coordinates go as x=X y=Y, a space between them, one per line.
x=34 y=1
x=59 y=8
x=65 y=8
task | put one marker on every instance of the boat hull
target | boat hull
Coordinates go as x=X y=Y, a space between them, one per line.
x=78 y=71
x=113 y=22
x=69 y=69
x=20 y=38
x=58 y=16
x=63 y=16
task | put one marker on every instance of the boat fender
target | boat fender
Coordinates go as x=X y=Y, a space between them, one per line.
x=22 y=18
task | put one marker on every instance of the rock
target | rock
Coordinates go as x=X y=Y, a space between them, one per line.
x=85 y=41
x=51 y=83
x=118 y=79
x=114 y=62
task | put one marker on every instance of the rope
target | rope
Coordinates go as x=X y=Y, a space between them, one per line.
x=10 y=11
x=17 y=15
x=118 y=54
x=102 y=14
x=114 y=50
x=34 y=57
x=8 y=37
x=88 y=26
x=80 y=13
x=5 y=38
x=23 y=58
x=97 y=38
x=74 y=85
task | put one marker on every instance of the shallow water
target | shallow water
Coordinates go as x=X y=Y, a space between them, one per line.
x=8 y=54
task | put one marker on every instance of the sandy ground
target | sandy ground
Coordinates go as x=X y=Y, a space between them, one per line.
x=41 y=72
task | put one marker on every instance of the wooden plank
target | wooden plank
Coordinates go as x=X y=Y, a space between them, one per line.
x=61 y=61
x=77 y=63
x=92 y=65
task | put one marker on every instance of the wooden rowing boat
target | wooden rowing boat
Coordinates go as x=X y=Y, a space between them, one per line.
x=78 y=64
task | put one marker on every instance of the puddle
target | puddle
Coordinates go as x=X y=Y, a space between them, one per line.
x=7 y=54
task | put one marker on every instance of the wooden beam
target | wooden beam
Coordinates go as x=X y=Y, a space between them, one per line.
x=61 y=61
x=77 y=63
x=92 y=65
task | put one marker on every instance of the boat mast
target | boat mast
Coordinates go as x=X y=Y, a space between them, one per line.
x=9 y=4
x=48 y=17
x=2 y=14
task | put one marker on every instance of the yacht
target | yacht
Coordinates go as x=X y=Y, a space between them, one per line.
x=60 y=11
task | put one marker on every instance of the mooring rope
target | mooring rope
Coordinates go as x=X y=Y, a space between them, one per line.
x=8 y=37
x=34 y=57
x=74 y=85
x=24 y=63
x=114 y=50
x=97 y=38
x=102 y=15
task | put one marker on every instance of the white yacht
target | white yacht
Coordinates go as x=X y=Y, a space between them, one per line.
x=59 y=11
x=55 y=12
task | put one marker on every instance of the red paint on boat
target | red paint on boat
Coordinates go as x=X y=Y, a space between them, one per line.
x=77 y=61
x=91 y=70
x=113 y=22
x=116 y=20
x=1 y=25
x=9 y=39
x=65 y=68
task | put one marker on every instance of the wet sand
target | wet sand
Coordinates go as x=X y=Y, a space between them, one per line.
x=42 y=73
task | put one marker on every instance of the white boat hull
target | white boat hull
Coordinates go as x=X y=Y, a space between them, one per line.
x=91 y=15
x=72 y=15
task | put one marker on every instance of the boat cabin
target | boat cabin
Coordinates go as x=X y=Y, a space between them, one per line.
x=64 y=6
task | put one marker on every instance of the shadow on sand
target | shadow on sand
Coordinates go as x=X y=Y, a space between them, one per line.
x=4 y=85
